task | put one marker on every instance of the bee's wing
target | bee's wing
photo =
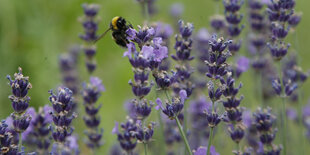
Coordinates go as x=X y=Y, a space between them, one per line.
x=102 y=35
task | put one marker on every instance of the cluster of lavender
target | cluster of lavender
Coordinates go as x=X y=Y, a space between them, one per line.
x=147 y=59
x=62 y=118
x=148 y=7
x=257 y=36
x=183 y=47
x=233 y=18
x=90 y=25
x=91 y=93
x=7 y=144
x=233 y=114
x=20 y=102
x=279 y=13
x=264 y=121
x=69 y=70
x=199 y=124
x=217 y=69
x=38 y=133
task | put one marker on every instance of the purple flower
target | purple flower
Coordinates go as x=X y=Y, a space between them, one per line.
x=90 y=9
x=126 y=136
x=291 y=113
x=243 y=64
x=131 y=50
x=176 y=10
x=306 y=111
x=73 y=143
x=32 y=113
x=185 y=29
x=203 y=35
x=163 y=31
x=96 y=82
x=131 y=34
x=156 y=53
x=115 y=129
x=203 y=151
x=172 y=108
x=247 y=118
x=62 y=113
x=294 y=20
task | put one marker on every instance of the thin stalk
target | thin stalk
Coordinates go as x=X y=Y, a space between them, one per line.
x=238 y=147
x=20 y=142
x=260 y=88
x=301 y=132
x=146 y=10
x=145 y=148
x=144 y=142
x=217 y=7
x=210 y=141
x=284 y=132
x=211 y=131
x=162 y=148
x=185 y=121
x=167 y=95
x=300 y=120
x=183 y=136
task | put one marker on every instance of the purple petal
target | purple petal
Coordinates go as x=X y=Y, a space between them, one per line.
x=73 y=143
x=32 y=112
x=246 y=117
x=151 y=31
x=176 y=9
x=159 y=104
x=157 y=41
x=212 y=151
x=131 y=34
x=161 y=53
x=95 y=81
x=47 y=112
x=9 y=122
x=201 y=151
x=147 y=52
x=203 y=35
x=115 y=129
x=183 y=95
x=131 y=50
x=291 y=113
x=243 y=63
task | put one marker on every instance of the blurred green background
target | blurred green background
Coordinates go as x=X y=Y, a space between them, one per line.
x=34 y=32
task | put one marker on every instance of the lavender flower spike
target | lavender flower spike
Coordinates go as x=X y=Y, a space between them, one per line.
x=20 y=102
x=91 y=94
x=62 y=115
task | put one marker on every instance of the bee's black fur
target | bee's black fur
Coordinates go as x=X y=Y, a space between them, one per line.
x=119 y=33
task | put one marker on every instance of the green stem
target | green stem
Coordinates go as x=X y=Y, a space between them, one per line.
x=167 y=95
x=20 y=142
x=238 y=147
x=162 y=147
x=217 y=8
x=146 y=10
x=210 y=141
x=145 y=148
x=260 y=89
x=185 y=121
x=301 y=132
x=183 y=136
x=284 y=125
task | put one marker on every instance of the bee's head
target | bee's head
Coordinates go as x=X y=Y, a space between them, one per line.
x=118 y=23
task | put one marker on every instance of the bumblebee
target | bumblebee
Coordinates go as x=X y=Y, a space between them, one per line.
x=119 y=26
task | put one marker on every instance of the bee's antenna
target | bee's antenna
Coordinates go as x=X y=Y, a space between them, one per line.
x=102 y=35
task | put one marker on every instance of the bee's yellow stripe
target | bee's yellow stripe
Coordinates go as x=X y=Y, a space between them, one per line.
x=114 y=21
